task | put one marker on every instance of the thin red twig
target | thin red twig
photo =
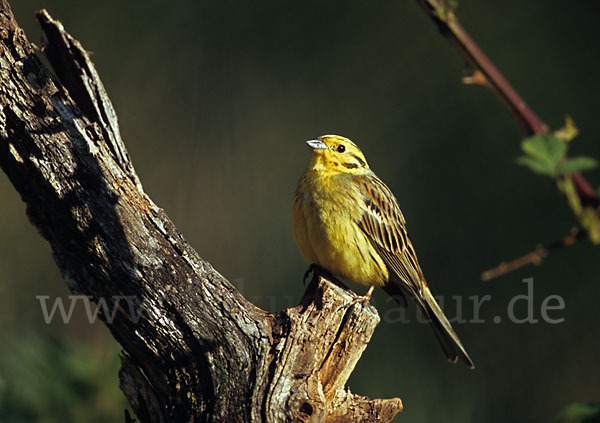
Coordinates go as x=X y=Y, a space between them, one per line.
x=486 y=73
x=452 y=29
x=534 y=257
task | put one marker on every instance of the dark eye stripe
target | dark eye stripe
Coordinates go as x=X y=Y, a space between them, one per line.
x=358 y=159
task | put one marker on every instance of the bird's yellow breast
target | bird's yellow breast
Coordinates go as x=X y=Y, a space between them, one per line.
x=325 y=216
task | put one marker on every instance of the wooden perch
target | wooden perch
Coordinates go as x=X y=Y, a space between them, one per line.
x=194 y=349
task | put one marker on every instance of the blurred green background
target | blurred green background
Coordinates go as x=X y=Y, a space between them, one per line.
x=215 y=100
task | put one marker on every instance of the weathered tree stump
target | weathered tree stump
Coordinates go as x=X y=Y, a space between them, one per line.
x=194 y=349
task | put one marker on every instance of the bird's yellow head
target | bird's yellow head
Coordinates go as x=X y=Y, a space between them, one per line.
x=333 y=154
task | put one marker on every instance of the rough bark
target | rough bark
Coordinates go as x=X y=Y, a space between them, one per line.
x=194 y=349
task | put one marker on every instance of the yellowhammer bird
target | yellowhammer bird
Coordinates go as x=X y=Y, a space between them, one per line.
x=348 y=222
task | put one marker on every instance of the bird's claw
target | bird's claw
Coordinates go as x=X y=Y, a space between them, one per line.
x=363 y=299
x=311 y=269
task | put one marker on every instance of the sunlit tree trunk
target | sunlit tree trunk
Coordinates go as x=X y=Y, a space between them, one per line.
x=194 y=349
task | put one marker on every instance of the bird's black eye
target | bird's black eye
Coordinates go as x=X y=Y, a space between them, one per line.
x=341 y=148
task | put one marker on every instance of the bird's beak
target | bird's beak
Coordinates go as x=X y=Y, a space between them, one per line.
x=317 y=144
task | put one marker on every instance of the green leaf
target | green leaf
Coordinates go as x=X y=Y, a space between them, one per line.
x=580 y=413
x=536 y=165
x=556 y=149
x=534 y=146
x=577 y=164
x=545 y=148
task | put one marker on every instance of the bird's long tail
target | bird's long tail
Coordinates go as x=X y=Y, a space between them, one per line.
x=442 y=328
x=448 y=339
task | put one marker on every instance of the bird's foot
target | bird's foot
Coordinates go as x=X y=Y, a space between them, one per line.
x=313 y=268
x=363 y=299
x=317 y=270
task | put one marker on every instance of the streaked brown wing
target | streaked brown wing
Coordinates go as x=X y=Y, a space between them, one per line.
x=382 y=221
